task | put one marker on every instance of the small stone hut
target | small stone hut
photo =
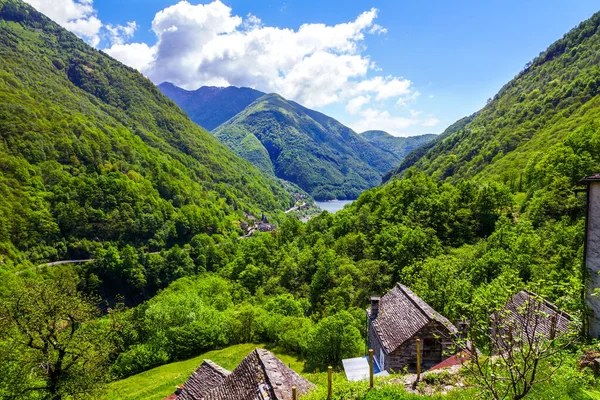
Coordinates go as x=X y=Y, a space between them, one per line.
x=260 y=376
x=529 y=317
x=396 y=320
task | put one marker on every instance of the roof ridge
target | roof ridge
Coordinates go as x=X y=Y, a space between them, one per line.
x=406 y=291
x=550 y=305
x=216 y=366
x=265 y=371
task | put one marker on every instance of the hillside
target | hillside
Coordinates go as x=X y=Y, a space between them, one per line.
x=316 y=152
x=399 y=147
x=210 y=106
x=536 y=115
x=91 y=151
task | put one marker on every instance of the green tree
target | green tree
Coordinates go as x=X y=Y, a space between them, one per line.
x=333 y=339
x=53 y=340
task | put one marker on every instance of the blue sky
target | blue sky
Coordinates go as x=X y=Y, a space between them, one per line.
x=408 y=67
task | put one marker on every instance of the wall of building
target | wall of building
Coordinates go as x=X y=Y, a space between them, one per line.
x=592 y=256
x=375 y=344
x=406 y=354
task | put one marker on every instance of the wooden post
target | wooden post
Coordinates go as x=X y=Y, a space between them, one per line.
x=329 y=382
x=293 y=392
x=371 y=371
x=418 y=359
x=553 y=327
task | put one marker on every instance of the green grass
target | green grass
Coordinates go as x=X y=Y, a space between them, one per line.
x=160 y=382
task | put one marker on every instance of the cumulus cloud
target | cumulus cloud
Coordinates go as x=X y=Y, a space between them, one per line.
x=382 y=120
x=80 y=17
x=431 y=121
x=354 y=105
x=316 y=65
x=119 y=34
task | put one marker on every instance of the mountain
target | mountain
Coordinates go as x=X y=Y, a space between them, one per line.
x=91 y=151
x=210 y=106
x=399 y=147
x=415 y=155
x=308 y=148
x=549 y=111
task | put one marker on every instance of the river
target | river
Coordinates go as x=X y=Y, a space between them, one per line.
x=332 y=206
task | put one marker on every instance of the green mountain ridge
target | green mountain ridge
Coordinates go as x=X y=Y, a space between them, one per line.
x=308 y=148
x=399 y=147
x=91 y=151
x=535 y=115
x=210 y=106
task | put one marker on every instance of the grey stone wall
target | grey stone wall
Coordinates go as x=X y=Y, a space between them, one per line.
x=406 y=354
x=593 y=257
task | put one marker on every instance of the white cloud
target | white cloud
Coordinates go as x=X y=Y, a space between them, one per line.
x=354 y=105
x=372 y=119
x=431 y=121
x=403 y=101
x=119 y=34
x=136 y=55
x=80 y=17
x=377 y=29
x=316 y=64
x=383 y=120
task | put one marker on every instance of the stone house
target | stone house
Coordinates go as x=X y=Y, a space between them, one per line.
x=260 y=376
x=396 y=320
x=529 y=317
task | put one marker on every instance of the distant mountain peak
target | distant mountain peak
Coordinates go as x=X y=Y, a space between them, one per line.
x=210 y=106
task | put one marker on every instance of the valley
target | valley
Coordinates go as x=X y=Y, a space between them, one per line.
x=144 y=229
x=280 y=137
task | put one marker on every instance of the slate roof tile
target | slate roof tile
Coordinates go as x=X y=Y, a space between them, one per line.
x=401 y=315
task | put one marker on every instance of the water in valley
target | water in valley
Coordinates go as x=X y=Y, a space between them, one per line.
x=332 y=206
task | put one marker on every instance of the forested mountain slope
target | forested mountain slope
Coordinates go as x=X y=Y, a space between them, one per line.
x=399 y=147
x=210 y=106
x=532 y=117
x=310 y=149
x=92 y=151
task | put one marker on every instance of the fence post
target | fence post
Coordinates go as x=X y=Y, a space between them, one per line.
x=293 y=392
x=418 y=359
x=329 y=382
x=371 y=371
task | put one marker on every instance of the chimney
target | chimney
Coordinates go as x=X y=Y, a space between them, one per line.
x=375 y=306
x=591 y=254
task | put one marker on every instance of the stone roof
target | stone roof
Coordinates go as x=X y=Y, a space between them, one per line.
x=260 y=376
x=532 y=315
x=401 y=315
x=207 y=376
x=595 y=177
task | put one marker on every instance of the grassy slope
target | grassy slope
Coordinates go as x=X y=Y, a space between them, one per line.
x=552 y=97
x=319 y=154
x=160 y=382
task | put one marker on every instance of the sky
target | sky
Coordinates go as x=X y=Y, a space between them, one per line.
x=403 y=66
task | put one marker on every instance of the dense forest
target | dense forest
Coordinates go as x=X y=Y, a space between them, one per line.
x=112 y=160
x=446 y=226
